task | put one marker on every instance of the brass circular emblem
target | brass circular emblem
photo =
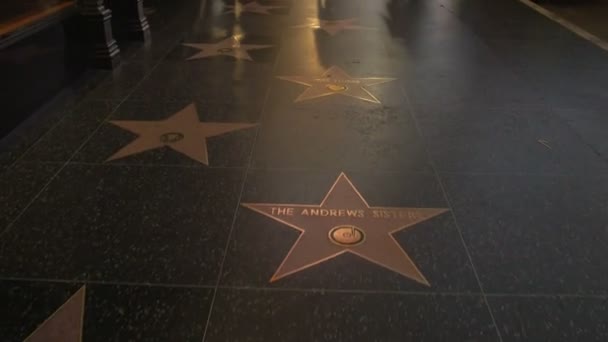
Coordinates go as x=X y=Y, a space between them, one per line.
x=346 y=236
x=225 y=50
x=171 y=137
x=336 y=87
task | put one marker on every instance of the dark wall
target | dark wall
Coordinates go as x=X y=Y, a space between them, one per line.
x=32 y=72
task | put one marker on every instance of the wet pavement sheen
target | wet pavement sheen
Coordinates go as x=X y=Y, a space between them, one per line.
x=331 y=170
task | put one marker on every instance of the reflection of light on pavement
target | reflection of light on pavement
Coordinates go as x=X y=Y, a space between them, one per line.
x=579 y=31
x=309 y=46
x=309 y=42
x=315 y=23
x=238 y=34
x=238 y=9
x=217 y=8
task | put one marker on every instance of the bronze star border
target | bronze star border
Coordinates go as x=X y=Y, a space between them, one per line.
x=332 y=27
x=182 y=132
x=230 y=46
x=335 y=81
x=345 y=207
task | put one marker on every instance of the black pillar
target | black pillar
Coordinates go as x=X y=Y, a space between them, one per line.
x=96 y=21
x=131 y=22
